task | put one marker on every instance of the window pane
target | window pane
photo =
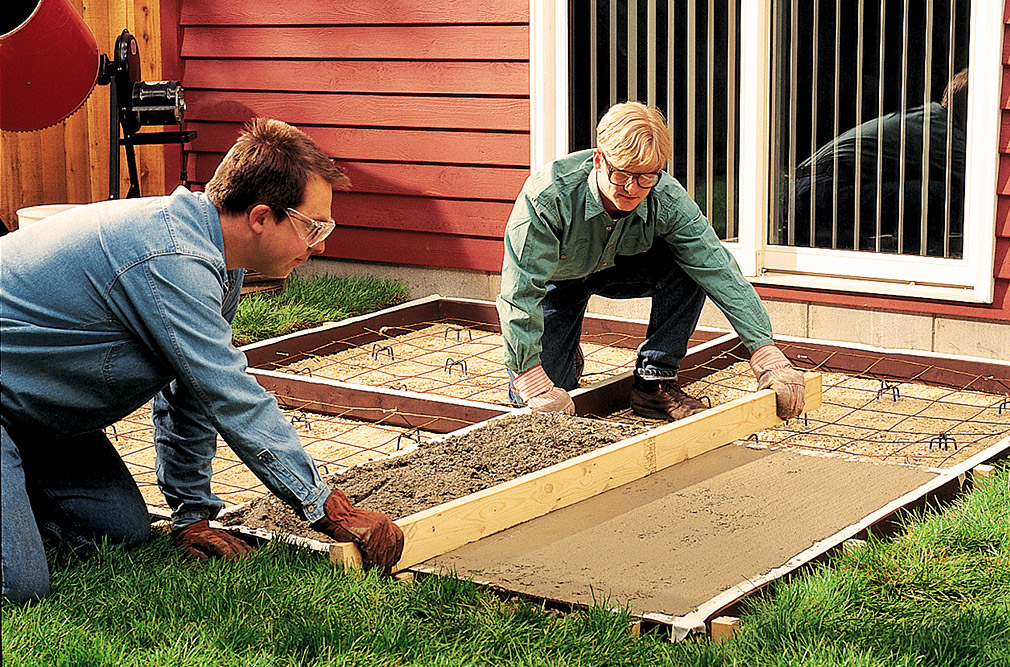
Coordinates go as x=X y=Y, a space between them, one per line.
x=869 y=153
x=622 y=50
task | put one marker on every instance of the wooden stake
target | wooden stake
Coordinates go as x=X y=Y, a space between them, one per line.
x=723 y=628
x=851 y=545
x=983 y=470
x=346 y=554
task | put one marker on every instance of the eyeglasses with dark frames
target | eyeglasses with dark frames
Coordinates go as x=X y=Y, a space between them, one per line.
x=622 y=178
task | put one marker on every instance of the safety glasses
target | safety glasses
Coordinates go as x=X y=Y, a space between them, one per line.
x=310 y=230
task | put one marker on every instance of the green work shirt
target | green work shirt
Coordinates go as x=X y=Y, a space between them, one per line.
x=559 y=230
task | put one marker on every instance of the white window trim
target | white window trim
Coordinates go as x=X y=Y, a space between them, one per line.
x=549 y=99
x=970 y=279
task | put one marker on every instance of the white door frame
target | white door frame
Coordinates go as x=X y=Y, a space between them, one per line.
x=549 y=102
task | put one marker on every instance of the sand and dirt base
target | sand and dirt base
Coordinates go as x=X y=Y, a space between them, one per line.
x=448 y=468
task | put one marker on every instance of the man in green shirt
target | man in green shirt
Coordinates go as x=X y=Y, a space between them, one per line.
x=609 y=221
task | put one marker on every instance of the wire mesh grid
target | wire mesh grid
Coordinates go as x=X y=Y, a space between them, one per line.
x=334 y=441
x=862 y=415
x=444 y=358
x=869 y=417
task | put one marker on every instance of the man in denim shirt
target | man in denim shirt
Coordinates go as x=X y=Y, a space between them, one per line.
x=105 y=306
x=609 y=221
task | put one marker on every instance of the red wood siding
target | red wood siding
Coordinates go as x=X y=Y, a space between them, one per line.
x=426 y=105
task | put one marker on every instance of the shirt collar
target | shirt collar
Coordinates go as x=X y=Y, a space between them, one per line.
x=594 y=201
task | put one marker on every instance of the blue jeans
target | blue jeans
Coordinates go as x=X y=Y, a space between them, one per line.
x=676 y=307
x=74 y=490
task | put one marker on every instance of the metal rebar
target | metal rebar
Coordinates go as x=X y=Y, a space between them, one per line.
x=450 y=363
x=376 y=350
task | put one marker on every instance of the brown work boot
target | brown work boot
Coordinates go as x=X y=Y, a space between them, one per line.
x=663 y=399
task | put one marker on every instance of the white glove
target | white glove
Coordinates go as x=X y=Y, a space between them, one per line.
x=773 y=371
x=540 y=394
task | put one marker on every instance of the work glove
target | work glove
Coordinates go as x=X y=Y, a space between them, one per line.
x=380 y=540
x=540 y=394
x=200 y=541
x=773 y=371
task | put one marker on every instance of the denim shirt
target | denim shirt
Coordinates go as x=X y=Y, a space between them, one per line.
x=559 y=230
x=103 y=307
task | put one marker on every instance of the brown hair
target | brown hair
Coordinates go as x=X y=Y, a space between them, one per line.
x=955 y=95
x=271 y=163
x=633 y=135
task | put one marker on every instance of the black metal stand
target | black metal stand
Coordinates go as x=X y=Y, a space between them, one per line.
x=122 y=73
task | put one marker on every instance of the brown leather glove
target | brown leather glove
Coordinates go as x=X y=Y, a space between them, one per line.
x=380 y=540
x=200 y=541
x=773 y=371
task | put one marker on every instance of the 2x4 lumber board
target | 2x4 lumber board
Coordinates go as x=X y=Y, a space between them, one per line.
x=983 y=375
x=364 y=329
x=441 y=529
x=375 y=404
x=944 y=487
x=612 y=331
x=255 y=535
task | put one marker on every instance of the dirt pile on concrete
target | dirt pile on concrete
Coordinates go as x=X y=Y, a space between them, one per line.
x=440 y=471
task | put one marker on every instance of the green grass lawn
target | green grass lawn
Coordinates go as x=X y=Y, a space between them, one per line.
x=939 y=594
x=309 y=302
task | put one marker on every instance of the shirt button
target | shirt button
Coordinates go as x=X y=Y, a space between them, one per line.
x=609 y=228
x=604 y=264
x=312 y=508
x=562 y=256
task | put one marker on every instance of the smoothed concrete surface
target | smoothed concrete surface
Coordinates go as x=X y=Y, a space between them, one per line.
x=673 y=540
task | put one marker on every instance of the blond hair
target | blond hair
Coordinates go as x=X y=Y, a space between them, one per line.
x=634 y=136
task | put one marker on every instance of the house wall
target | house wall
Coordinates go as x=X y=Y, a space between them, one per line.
x=425 y=105
x=69 y=162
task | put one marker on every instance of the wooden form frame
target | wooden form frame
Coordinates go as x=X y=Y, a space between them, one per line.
x=438 y=530
x=366 y=329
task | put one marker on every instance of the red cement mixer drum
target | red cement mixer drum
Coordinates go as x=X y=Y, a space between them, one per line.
x=48 y=66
